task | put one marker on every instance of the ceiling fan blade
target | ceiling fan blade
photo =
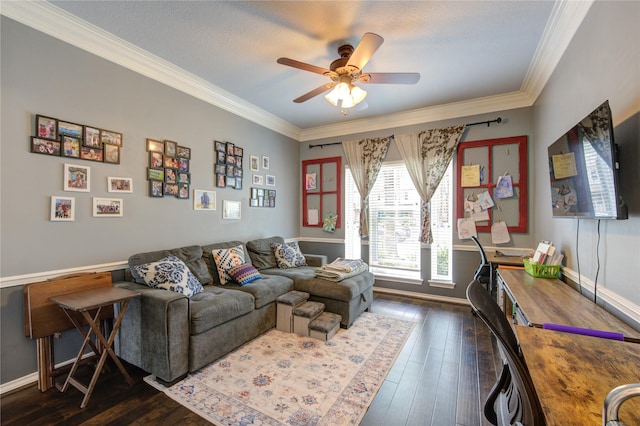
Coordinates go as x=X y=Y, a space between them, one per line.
x=390 y=78
x=301 y=65
x=368 y=45
x=315 y=92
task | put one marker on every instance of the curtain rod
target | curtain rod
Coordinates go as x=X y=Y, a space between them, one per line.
x=487 y=122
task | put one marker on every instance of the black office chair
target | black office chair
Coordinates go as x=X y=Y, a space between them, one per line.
x=513 y=392
x=483 y=273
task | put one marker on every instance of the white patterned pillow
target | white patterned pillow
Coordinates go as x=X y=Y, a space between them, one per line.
x=288 y=255
x=170 y=273
x=226 y=259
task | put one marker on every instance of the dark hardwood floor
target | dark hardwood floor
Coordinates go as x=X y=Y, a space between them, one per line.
x=440 y=378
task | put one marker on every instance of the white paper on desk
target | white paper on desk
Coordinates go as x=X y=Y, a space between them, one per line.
x=500 y=233
x=312 y=217
x=466 y=228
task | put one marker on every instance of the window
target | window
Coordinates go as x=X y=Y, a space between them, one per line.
x=394 y=224
x=352 y=244
x=441 y=228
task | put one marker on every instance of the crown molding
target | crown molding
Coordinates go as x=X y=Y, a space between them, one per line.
x=56 y=22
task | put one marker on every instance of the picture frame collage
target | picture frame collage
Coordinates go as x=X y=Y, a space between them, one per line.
x=228 y=170
x=260 y=197
x=62 y=138
x=168 y=172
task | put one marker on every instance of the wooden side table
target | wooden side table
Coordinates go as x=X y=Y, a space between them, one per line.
x=84 y=302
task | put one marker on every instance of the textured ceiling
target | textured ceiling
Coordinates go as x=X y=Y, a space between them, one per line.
x=463 y=50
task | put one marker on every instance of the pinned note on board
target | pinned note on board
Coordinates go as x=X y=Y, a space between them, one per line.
x=500 y=233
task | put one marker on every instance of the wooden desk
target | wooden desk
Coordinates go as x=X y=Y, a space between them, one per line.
x=84 y=302
x=542 y=300
x=573 y=374
x=496 y=260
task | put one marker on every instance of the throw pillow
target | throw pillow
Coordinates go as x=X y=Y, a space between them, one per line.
x=244 y=274
x=288 y=255
x=170 y=273
x=226 y=259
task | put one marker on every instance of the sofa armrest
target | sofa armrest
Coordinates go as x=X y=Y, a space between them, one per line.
x=316 y=260
x=154 y=334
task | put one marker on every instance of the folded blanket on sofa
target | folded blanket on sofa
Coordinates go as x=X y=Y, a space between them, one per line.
x=336 y=276
x=344 y=265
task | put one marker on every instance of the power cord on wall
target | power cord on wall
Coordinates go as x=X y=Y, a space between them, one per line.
x=595 y=283
x=578 y=257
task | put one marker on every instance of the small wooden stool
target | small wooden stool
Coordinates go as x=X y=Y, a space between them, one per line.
x=324 y=326
x=304 y=314
x=285 y=305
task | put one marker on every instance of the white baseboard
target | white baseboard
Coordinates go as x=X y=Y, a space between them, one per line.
x=423 y=296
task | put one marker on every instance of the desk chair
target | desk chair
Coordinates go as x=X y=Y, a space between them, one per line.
x=483 y=273
x=513 y=391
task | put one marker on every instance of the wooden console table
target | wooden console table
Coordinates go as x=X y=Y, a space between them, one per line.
x=573 y=374
x=542 y=300
x=84 y=302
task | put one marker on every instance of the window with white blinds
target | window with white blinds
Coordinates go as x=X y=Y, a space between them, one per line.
x=394 y=222
x=442 y=228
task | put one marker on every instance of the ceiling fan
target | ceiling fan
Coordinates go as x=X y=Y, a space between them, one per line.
x=347 y=70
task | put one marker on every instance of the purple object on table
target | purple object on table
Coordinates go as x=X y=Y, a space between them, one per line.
x=584 y=331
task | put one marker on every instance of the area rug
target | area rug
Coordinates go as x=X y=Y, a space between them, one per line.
x=284 y=379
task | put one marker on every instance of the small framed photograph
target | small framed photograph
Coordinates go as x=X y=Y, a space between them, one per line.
x=221 y=157
x=237 y=172
x=238 y=183
x=155 y=174
x=170 y=162
x=184 y=177
x=239 y=160
x=91 y=154
x=253 y=202
x=183 y=164
x=220 y=146
x=63 y=209
x=77 y=178
x=91 y=137
x=231 y=159
x=45 y=146
x=258 y=180
x=70 y=146
x=265 y=162
x=271 y=180
x=107 y=207
x=204 y=200
x=119 y=184
x=46 y=127
x=155 y=146
x=220 y=169
x=111 y=153
x=229 y=171
x=156 y=160
x=183 y=191
x=156 y=188
x=238 y=151
x=170 y=189
x=70 y=129
x=254 y=163
x=231 y=149
x=260 y=192
x=114 y=138
x=254 y=192
x=231 y=182
x=221 y=181
x=170 y=176
x=231 y=209
x=170 y=148
x=184 y=152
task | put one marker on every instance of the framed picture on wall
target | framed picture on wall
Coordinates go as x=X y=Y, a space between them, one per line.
x=220 y=146
x=70 y=129
x=156 y=188
x=114 y=138
x=155 y=146
x=119 y=184
x=204 y=200
x=184 y=152
x=91 y=137
x=254 y=163
x=155 y=174
x=265 y=162
x=46 y=127
x=271 y=180
x=45 y=146
x=111 y=153
x=231 y=209
x=77 y=178
x=70 y=146
x=91 y=154
x=63 y=209
x=170 y=148
x=107 y=207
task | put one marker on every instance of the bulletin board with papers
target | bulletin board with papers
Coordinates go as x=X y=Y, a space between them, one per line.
x=492 y=187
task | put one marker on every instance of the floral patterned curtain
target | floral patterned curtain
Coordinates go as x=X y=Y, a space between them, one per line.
x=365 y=158
x=427 y=155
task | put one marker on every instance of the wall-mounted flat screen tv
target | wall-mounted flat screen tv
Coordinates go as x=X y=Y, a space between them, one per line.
x=583 y=167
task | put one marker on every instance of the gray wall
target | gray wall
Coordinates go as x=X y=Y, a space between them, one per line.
x=602 y=62
x=42 y=75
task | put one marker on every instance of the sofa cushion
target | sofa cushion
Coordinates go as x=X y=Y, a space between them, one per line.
x=215 y=306
x=244 y=274
x=265 y=290
x=190 y=255
x=227 y=258
x=207 y=257
x=261 y=253
x=288 y=255
x=169 y=273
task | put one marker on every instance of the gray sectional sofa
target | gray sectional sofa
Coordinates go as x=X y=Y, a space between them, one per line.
x=169 y=335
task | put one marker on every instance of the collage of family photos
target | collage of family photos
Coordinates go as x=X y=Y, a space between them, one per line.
x=66 y=139
x=168 y=172
x=228 y=165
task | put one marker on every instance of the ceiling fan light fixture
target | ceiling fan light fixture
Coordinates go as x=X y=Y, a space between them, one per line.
x=345 y=95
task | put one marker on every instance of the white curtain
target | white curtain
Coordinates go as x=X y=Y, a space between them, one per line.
x=365 y=158
x=427 y=155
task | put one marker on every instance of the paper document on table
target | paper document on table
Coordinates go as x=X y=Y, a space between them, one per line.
x=500 y=233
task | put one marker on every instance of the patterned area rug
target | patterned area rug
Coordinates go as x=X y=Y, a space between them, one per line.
x=284 y=379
